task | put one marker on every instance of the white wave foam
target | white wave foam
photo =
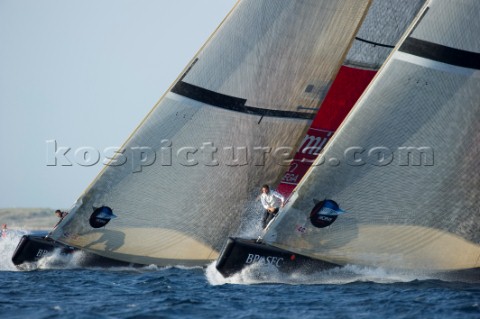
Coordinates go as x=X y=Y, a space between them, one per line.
x=259 y=274
x=251 y=223
x=7 y=247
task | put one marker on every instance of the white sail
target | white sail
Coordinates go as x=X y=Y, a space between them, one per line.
x=403 y=165
x=191 y=168
x=385 y=23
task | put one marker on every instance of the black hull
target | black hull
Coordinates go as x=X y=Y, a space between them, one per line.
x=32 y=248
x=240 y=253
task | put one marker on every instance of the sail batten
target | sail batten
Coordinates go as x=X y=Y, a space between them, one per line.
x=441 y=53
x=450 y=68
x=391 y=46
x=231 y=103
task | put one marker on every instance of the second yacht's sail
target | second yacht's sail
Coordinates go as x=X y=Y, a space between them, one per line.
x=385 y=23
x=403 y=165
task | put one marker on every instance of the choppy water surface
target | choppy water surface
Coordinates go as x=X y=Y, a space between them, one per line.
x=53 y=289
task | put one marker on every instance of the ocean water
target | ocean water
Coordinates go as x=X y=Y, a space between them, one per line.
x=56 y=287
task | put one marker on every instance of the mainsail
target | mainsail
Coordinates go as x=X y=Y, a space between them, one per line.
x=385 y=23
x=182 y=181
x=403 y=165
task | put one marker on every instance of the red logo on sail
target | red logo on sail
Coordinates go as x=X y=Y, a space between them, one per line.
x=344 y=92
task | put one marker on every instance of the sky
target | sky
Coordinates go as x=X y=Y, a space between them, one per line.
x=83 y=74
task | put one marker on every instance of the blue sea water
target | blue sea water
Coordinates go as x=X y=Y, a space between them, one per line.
x=57 y=288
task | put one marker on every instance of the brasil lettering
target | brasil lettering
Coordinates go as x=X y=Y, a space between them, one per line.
x=265 y=260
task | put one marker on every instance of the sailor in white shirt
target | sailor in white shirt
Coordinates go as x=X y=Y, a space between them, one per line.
x=269 y=202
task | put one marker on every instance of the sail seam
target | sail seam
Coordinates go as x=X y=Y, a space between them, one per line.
x=231 y=103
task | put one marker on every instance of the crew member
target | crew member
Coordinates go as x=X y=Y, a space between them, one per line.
x=269 y=202
x=60 y=215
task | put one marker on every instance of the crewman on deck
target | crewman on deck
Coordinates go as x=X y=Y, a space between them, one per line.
x=269 y=202
x=60 y=215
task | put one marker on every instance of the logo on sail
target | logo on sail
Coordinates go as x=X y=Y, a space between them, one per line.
x=325 y=213
x=101 y=216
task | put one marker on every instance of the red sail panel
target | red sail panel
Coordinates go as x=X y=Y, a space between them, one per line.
x=342 y=96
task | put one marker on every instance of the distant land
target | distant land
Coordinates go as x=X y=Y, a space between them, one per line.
x=28 y=218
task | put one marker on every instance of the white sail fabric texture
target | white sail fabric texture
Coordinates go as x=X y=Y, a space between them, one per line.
x=384 y=25
x=404 y=162
x=194 y=166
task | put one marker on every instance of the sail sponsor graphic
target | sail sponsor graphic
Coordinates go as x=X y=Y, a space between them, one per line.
x=338 y=102
x=325 y=213
x=101 y=216
x=311 y=146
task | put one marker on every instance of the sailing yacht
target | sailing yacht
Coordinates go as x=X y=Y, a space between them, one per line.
x=187 y=175
x=404 y=181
